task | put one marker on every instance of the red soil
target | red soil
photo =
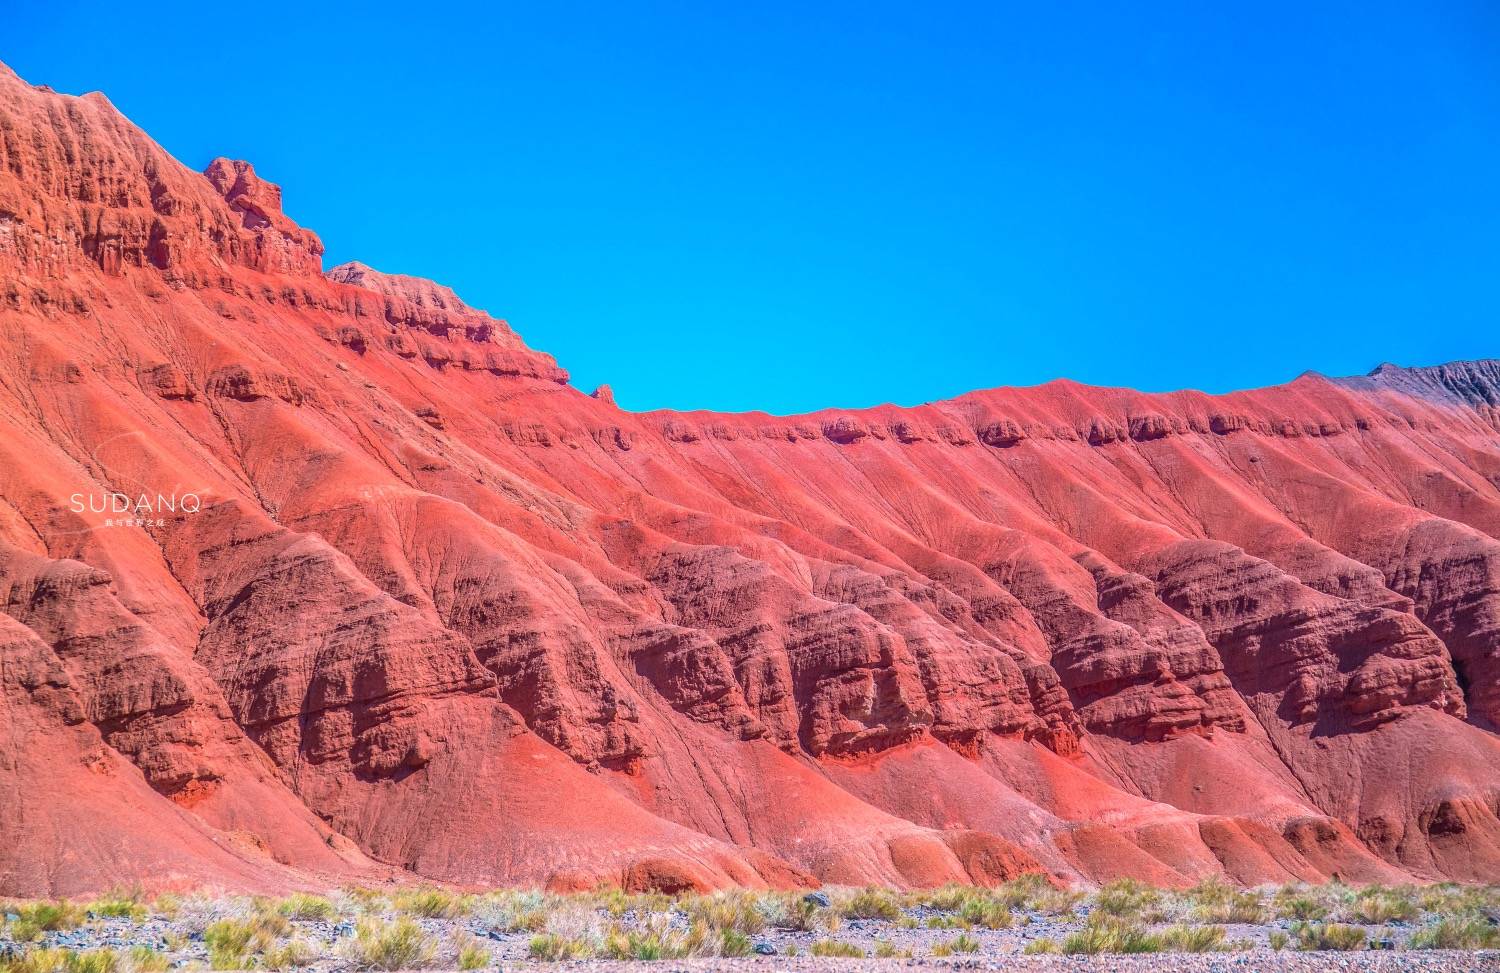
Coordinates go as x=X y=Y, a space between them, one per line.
x=440 y=613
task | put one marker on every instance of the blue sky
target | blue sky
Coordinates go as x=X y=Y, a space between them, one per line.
x=786 y=206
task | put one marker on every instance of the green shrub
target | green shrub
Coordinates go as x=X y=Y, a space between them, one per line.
x=1277 y=939
x=1041 y=947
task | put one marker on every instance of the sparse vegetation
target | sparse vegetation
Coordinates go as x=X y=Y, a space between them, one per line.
x=401 y=930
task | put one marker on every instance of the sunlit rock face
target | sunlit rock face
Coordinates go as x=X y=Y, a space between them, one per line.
x=315 y=576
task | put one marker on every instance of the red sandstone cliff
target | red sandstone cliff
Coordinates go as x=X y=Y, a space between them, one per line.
x=442 y=614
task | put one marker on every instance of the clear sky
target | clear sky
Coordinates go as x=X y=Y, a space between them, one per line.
x=789 y=205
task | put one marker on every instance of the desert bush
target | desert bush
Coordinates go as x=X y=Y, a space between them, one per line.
x=1126 y=898
x=230 y=943
x=34 y=918
x=1241 y=907
x=885 y=949
x=837 y=948
x=1277 y=939
x=144 y=959
x=289 y=955
x=307 y=908
x=798 y=913
x=1457 y=932
x=91 y=961
x=732 y=942
x=1303 y=907
x=1183 y=938
x=400 y=944
x=469 y=953
x=1022 y=891
x=513 y=912
x=962 y=943
x=1109 y=934
x=550 y=946
x=1041 y=947
x=1057 y=902
x=1376 y=908
x=870 y=903
x=431 y=903
x=658 y=940
x=946 y=898
x=987 y=913
x=118 y=904
x=740 y=911
x=1317 y=936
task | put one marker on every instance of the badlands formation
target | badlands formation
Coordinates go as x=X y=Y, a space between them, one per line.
x=409 y=606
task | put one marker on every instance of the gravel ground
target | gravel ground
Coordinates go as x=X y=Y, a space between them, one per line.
x=495 y=931
x=1254 y=961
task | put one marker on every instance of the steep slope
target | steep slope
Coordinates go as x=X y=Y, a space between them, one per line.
x=389 y=598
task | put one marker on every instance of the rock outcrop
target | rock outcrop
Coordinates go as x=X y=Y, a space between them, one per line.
x=310 y=577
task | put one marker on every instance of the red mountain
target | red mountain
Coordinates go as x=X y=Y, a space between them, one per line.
x=390 y=598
